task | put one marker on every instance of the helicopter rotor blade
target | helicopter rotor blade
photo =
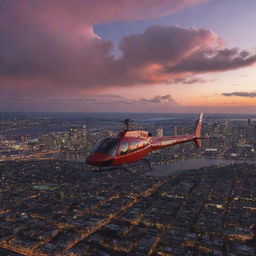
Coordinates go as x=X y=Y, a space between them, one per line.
x=126 y=122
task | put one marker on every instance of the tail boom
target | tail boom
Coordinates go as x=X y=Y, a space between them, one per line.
x=163 y=142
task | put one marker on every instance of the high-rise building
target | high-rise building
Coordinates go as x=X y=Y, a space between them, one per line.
x=84 y=132
x=72 y=137
x=160 y=132
x=210 y=121
x=84 y=138
x=241 y=131
x=175 y=130
x=77 y=138
x=216 y=129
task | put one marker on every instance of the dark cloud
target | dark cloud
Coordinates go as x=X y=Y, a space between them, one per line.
x=177 y=53
x=240 y=94
x=215 y=60
x=165 y=45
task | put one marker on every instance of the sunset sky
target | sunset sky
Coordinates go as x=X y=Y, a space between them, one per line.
x=128 y=55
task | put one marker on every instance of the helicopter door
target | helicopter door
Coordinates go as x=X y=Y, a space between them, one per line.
x=123 y=149
x=133 y=146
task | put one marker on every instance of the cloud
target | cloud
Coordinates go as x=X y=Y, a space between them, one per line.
x=104 y=102
x=187 y=80
x=240 y=94
x=113 y=103
x=159 y=100
x=114 y=99
x=212 y=60
x=174 y=54
x=94 y=12
x=50 y=48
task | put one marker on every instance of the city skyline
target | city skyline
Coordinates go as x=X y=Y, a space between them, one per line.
x=128 y=56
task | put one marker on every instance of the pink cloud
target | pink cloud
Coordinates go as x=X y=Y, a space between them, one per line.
x=77 y=12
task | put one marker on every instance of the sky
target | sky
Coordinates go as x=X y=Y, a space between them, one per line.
x=170 y=56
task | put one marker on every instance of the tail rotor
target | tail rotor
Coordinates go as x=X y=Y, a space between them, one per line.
x=197 y=134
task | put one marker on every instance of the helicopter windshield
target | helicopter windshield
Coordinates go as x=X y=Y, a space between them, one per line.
x=106 y=146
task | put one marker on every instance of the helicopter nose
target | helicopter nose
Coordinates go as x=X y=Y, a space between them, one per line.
x=99 y=159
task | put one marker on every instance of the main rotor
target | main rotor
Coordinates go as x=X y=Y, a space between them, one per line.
x=126 y=122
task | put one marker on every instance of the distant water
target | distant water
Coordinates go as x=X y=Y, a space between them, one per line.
x=156 y=119
x=190 y=164
x=165 y=169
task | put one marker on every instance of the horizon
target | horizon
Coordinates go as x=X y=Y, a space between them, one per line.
x=123 y=113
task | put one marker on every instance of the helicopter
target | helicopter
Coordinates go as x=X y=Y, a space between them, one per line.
x=133 y=145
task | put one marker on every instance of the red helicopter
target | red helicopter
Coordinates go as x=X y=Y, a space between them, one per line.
x=131 y=146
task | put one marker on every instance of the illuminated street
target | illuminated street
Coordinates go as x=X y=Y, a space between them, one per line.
x=60 y=207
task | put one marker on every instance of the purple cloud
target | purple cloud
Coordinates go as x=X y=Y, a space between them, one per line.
x=215 y=60
x=240 y=94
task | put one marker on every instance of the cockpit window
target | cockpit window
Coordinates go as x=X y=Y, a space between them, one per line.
x=124 y=148
x=133 y=146
x=106 y=146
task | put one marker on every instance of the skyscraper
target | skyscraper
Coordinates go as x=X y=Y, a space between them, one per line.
x=160 y=132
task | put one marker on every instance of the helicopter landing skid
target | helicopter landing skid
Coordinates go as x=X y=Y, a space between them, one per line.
x=137 y=166
x=126 y=168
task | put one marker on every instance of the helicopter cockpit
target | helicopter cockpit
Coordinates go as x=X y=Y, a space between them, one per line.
x=107 y=146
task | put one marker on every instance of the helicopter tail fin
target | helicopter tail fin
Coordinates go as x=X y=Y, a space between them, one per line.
x=197 y=133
